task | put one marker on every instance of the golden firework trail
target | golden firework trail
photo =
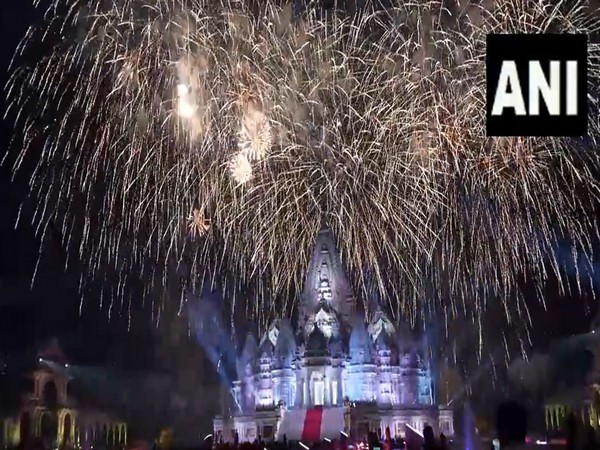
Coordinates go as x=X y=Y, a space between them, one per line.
x=217 y=137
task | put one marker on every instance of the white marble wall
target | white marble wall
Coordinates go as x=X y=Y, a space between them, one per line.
x=387 y=385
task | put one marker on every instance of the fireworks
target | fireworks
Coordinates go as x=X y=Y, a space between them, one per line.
x=198 y=223
x=266 y=120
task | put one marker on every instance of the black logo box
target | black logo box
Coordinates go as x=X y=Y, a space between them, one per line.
x=523 y=48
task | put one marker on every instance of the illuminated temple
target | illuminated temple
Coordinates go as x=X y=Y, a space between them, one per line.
x=337 y=370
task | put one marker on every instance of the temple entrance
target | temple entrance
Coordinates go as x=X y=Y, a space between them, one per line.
x=24 y=427
x=66 y=437
x=267 y=432
x=49 y=428
x=319 y=393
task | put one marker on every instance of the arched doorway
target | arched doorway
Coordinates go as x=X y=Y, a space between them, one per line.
x=24 y=427
x=50 y=395
x=66 y=437
x=49 y=428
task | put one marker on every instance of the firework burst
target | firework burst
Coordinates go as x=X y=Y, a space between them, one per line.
x=272 y=118
x=199 y=224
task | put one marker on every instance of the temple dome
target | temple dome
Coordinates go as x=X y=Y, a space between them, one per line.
x=269 y=340
x=285 y=346
x=266 y=347
x=53 y=352
x=317 y=344
x=325 y=284
x=248 y=356
x=381 y=324
x=336 y=346
x=360 y=343
x=384 y=342
x=326 y=319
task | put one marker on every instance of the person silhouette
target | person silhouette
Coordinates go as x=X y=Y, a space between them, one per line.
x=511 y=425
x=443 y=442
x=429 y=439
x=591 y=441
x=571 y=431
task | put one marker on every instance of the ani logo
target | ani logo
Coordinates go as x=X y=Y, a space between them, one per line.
x=536 y=85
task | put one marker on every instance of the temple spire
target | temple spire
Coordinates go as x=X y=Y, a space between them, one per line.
x=326 y=285
x=324 y=225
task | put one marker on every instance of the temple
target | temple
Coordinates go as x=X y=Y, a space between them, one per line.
x=339 y=370
x=46 y=412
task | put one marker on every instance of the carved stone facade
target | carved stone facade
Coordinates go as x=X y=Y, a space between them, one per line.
x=332 y=358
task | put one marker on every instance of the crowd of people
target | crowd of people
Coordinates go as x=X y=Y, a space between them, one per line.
x=511 y=430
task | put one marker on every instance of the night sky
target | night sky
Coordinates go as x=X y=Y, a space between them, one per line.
x=28 y=317
x=149 y=376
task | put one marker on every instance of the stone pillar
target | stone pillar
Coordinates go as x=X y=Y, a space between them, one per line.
x=307 y=388
x=558 y=416
x=61 y=427
x=299 y=401
x=305 y=399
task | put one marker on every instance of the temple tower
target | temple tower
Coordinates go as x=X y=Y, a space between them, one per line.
x=327 y=292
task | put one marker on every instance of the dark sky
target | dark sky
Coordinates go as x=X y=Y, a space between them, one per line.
x=28 y=317
x=52 y=307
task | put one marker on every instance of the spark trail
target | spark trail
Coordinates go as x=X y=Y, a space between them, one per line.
x=219 y=136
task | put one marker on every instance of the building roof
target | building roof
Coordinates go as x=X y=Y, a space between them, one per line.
x=384 y=341
x=330 y=323
x=317 y=344
x=53 y=353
